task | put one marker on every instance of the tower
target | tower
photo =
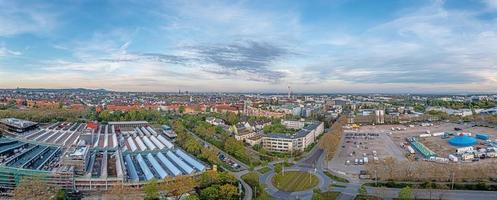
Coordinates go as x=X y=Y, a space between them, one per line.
x=289 y=92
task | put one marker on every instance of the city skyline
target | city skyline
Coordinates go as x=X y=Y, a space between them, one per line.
x=251 y=46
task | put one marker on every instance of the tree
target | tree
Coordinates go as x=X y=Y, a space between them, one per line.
x=278 y=168
x=231 y=118
x=362 y=190
x=178 y=185
x=228 y=191
x=192 y=197
x=192 y=146
x=405 y=193
x=316 y=194
x=34 y=188
x=210 y=154
x=151 y=190
x=181 y=109
x=209 y=193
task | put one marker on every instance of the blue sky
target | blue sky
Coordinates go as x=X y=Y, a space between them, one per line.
x=257 y=46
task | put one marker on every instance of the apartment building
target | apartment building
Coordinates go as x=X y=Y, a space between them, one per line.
x=293 y=142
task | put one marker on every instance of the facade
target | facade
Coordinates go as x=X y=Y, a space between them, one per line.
x=294 y=142
x=293 y=124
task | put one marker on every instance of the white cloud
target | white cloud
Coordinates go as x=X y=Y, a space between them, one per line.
x=492 y=4
x=7 y=52
x=17 y=18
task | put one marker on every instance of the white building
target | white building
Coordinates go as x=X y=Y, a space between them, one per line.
x=294 y=142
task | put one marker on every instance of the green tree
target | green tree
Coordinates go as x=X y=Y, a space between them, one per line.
x=210 y=154
x=151 y=190
x=181 y=109
x=192 y=146
x=406 y=193
x=231 y=118
x=316 y=194
x=228 y=191
x=210 y=193
x=192 y=197
x=362 y=190
x=278 y=168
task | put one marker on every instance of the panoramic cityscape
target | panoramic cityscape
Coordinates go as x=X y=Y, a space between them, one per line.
x=232 y=100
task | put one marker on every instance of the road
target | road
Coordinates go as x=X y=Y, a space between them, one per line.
x=242 y=170
x=242 y=165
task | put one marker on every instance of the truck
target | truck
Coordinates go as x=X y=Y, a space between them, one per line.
x=356 y=161
x=366 y=160
x=411 y=150
x=361 y=162
x=453 y=158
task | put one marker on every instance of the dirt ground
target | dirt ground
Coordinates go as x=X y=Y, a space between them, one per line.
x=435 y=143
x=387 y=143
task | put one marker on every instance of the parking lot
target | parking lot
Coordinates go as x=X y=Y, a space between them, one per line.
x=383 y=141
x=365 y=145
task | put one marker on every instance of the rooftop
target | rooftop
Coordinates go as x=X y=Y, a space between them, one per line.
x=17 y=123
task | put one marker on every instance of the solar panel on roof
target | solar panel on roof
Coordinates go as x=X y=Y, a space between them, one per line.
x=149 y=143
x=157 y=142
x=140 y=143
x=185 y=167
x=157 y=167
x=131 y=169
x=143 y=165
x=169 y=165
x=165 y=141
x=190 y=160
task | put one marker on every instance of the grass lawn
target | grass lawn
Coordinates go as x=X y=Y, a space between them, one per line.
x=264 y=170
x=330 y=195
x=336 y=178
x=294 y=181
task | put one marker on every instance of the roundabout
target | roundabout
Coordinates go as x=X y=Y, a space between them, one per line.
x=294 y=181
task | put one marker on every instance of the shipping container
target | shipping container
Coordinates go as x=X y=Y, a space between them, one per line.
x=463 y=150
x=438 y=134
x=425 y=135
x=453 y=158
x=482 y=136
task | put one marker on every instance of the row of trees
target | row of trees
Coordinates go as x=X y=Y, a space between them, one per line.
x=192 y=145
x=207 y=186
x=393 y=170
x=214 y=135
x=132 y=115
x=460 y=105
x=44 y=115
x=331 y=141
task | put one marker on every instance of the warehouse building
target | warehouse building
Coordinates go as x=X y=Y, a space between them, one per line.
x=75 y=156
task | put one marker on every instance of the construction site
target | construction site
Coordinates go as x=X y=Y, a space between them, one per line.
x=92 y=156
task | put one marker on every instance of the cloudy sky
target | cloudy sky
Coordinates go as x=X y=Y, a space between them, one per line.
x=254 y=46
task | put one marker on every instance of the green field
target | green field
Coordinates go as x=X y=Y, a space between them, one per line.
x=294 y=181
x=330 y=195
